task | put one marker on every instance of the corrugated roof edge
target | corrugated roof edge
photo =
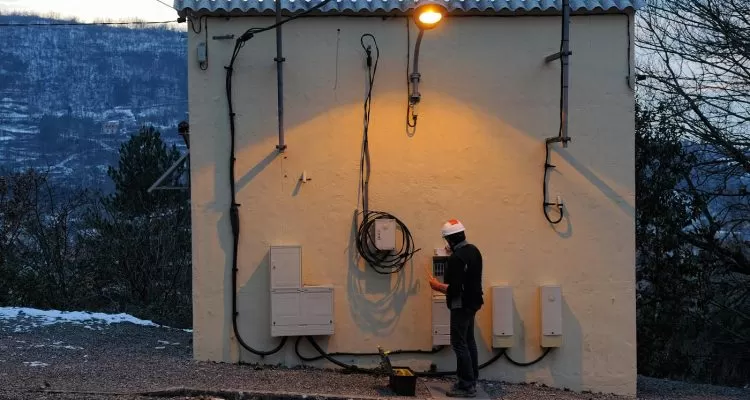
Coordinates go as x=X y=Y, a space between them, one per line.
x=379 y=7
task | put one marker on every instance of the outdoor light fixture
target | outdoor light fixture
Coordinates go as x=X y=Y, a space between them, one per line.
x=427 y=15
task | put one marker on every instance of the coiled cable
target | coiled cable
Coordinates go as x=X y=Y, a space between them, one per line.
x=382 y=261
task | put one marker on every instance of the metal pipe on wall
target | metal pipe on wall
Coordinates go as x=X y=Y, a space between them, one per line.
x=564 y=56
x=280 y=78
x=565 y=70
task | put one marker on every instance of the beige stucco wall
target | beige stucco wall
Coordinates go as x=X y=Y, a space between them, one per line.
x=488 y=102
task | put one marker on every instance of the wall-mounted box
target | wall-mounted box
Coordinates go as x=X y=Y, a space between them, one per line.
x=502 y=316
x=385 y=233
x=550 y=304
x=285 y=263
x=441 y=321
x=307 y=311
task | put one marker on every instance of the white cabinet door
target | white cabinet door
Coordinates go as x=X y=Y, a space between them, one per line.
x=317 y=305
x=285 y=263
x=286 y=307
x=441 y=317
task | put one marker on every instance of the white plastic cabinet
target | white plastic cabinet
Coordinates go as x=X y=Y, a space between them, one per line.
x=285 y=263
x=502 y=316
x=286 y=307
x=297 y=310
x=550 y=302
x=441 y=321
x=317 y=305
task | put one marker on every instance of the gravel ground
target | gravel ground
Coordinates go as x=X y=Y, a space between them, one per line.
x=128 y=358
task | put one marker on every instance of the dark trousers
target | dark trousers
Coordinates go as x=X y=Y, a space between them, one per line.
x=465 y=347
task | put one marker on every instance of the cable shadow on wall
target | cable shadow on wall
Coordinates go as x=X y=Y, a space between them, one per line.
x=607 y=190
x=224 y=233
x=376 y=300
x=566 y=222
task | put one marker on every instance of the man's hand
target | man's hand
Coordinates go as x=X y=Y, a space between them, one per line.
x=437 y=286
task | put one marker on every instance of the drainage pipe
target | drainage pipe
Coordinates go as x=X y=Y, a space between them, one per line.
x=280 y=78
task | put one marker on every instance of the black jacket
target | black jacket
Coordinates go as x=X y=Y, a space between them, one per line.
x=463 y=275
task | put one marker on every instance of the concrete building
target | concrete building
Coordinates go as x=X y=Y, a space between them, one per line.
x=489 y=99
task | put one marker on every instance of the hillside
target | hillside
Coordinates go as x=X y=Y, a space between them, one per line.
x=69 y=95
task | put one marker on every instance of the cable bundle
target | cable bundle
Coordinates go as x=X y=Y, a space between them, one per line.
x=383 y=262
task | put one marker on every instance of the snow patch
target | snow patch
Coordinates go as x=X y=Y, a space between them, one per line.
x=35 y=364
x=32 y=318
x=50 y=317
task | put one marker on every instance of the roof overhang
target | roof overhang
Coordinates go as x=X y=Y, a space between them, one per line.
x=402 y=7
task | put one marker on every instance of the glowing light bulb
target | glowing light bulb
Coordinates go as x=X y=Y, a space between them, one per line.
x=430 y=17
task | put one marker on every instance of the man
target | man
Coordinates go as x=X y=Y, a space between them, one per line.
x=464 y=297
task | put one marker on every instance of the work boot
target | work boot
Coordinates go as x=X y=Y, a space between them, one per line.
x=457 y=392
x=456 y=387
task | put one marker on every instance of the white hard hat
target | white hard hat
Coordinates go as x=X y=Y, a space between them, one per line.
x=451 y=227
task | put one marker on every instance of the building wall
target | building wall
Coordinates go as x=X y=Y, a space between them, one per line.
x=488 y=102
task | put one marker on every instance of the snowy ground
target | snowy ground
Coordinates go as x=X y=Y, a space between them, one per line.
x=43 y=351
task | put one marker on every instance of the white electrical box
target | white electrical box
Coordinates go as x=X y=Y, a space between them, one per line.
x=285 y=263
x=297 y=310
x=441 y=321
x=502 y=316
x=317 y=306
x=307 y=311
x=550 y=304
x=385 y=234
x=286 y=307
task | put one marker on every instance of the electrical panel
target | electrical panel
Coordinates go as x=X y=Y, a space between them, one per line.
x=286 y=307
x=307 y=311
x=297 y=310
x=317 y=307
x=550 y=302
x=286 y=267
x=439 y=265
x=502 y=316
x=441 y=321
x=385 y=233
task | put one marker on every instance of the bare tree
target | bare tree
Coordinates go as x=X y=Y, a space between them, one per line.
x=696 y=61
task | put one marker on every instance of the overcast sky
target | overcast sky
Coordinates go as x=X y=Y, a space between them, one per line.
x=89 y=10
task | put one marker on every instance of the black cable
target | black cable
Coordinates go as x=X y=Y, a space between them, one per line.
x=364 y=162
x=547 y=143
x=528 y=363
x=329 y=357
x=348 y=367
x=546 y=203
x=411 y=119
x=342 y=354
x=234 y=207
x=200 y=23
x=383 y=262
